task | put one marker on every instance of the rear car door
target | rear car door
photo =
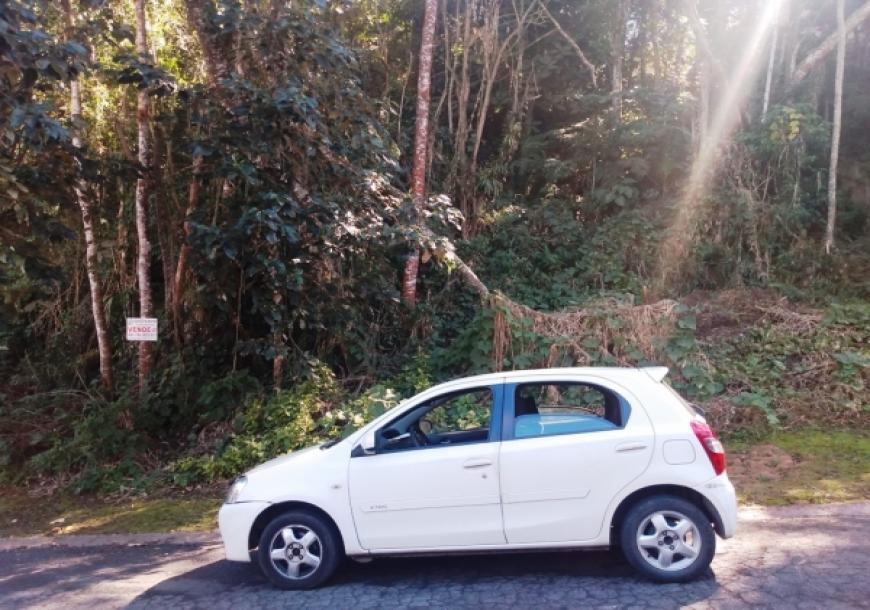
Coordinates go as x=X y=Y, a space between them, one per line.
x=438 y=490
x=568 y=446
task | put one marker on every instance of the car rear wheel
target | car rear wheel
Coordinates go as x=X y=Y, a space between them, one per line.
x=667 y=539
x=299 y=550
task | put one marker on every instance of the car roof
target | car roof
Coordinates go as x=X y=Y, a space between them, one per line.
x=615 y=373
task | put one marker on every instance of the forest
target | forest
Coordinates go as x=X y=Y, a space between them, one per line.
x=330 y=205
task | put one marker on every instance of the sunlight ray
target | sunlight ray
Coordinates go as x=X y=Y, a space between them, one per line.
x=725 y=119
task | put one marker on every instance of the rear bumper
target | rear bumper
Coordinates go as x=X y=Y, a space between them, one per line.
x=235 y=521
x=720 y=493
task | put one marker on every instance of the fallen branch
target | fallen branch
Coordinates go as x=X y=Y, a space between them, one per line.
x=829 y=44
x=607 y=321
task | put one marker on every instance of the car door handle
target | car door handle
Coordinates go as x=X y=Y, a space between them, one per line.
x=629 y=447
x=477 y=463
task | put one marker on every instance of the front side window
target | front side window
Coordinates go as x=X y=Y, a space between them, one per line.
x=546 y=409
x=451 y=419
x=459 y=413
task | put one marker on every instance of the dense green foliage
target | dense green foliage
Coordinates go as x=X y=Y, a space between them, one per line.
x=282 y=137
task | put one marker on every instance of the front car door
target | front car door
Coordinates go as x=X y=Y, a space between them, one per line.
x=433 y=480
x=569 y=445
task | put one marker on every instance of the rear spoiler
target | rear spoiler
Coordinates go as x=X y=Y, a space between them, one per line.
x=657 y=373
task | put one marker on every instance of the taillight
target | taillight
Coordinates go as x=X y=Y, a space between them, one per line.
x=711 y=444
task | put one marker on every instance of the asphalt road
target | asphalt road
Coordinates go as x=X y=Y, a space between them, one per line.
x=797 y=557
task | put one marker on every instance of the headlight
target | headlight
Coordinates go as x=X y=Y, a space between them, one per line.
x=236 y=489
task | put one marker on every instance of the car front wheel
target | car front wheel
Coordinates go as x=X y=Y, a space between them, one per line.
x=667 y=539
x=299 y=550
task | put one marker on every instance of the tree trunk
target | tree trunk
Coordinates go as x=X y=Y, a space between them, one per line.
x=218 y=50
x=143 y=190
x=770 y=65
x=704 y=87
x=837 y=124
x=193 y=191
x=83 y=199
x=706 y=66
x=159 y=160
x=655 y=31
x=618 y=51
x=458 y=164
x=491 y=60
x=421 y=132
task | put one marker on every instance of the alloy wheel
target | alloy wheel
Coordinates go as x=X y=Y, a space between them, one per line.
x=668 y=540
x=295 y=552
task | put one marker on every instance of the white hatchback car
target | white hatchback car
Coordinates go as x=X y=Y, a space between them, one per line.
x=523 y=460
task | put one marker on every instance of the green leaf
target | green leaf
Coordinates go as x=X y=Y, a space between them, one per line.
x=687 y=322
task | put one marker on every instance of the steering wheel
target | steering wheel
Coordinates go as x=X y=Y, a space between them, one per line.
x=418 y=436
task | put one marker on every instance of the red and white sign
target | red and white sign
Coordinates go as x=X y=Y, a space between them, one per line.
x=141 y=329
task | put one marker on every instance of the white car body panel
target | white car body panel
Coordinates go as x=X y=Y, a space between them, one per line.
x=558 y=491
x=443 y=496
x=557 y=488
x=235 y=521
x=310 y=476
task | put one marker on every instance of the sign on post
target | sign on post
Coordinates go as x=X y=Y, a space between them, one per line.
x=141 y=329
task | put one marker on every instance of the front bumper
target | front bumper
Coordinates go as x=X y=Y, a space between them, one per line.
x=235 y=521
x=721 y=495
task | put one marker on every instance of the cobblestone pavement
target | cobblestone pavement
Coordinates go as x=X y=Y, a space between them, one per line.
x=813 y=557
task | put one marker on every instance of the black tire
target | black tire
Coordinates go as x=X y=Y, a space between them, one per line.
x=327 y=547
x=648 y=559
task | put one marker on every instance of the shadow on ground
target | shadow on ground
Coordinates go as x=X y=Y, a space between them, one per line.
x=529 y=579
x=51 y=576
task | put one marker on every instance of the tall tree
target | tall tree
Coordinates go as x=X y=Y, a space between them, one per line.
x=216 y=57
x=421 y=132
x=217 y=45
x=618 y=52
x=84 y=202
x=838 y=121
x=705 y=63
x=143 y=191
x=220 y=54
x=768 y=81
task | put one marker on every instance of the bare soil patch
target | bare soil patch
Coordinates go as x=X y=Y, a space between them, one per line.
x=760 y=464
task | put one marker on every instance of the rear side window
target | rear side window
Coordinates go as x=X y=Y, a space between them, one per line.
x=547 y=409
x=691 y=409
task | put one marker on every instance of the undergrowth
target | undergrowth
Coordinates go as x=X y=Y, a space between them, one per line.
x=757 y=362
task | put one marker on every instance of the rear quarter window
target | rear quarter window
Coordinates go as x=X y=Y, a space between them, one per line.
x=692 y=409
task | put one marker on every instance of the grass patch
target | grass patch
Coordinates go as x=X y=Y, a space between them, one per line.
x=806 y=466
x=21 y=514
